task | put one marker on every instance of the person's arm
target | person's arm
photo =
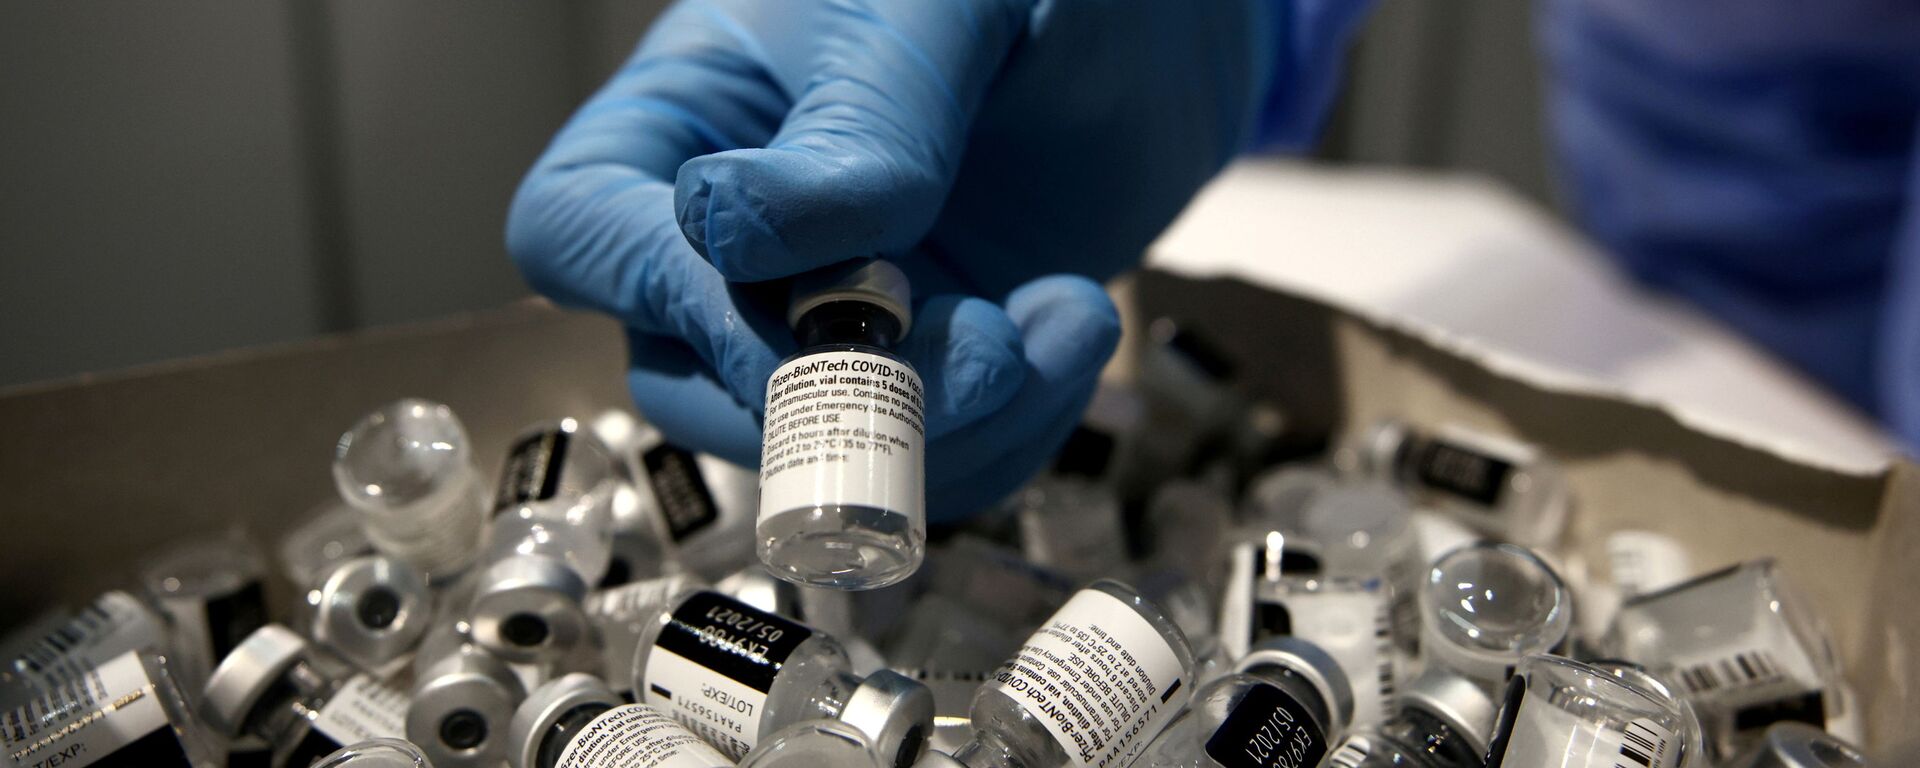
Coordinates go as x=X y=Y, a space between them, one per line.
x=1007 y=154
x=1750 y=155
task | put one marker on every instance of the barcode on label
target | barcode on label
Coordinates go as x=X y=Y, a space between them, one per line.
x=1383 y=647
x=1351 y=754
x=1642 y=745
x=1736 y=671
x=62 y=641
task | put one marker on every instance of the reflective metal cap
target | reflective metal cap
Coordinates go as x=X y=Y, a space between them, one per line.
x=1456 y=701
x=246 y=674
x=1798 y=745
x=895 y=712
x=461 y=709
x=372 y=610
x=545 y=706
x=528 y=609
x=874 y=281
x=1311 y=663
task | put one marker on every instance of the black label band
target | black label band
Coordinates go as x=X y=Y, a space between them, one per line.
x=234 y=616
x=1268 y=729
x=732 y=638
x=683 y=494
x=533 y=469
x=158 y=749
x=312 y=747
x=1461 y=471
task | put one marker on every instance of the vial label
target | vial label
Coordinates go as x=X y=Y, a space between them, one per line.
x=1268 y=729
x=684 y=497
x=844 y=429
x=638 y=736
x=714 y=663
x=533 y=469
x=110 y=626
x=1461 y=471
x=363 y=709
x=1542 y=734
x=1746 y=675
x=1337 y=620
x=632 y=599
x=1352 y=753
x=111 y=715
x=1099 y=677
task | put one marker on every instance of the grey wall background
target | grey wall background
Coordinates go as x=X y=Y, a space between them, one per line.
x=184 y=177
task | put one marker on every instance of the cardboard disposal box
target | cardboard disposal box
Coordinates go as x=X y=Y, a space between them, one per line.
x=101 y=470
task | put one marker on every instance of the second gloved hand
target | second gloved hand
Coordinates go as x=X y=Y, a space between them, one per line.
x=1006 y=153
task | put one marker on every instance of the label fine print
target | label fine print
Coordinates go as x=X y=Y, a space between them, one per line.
x=638 y=736
x=111 y=713
x=714 y=663
x=844 y=428
x=1099 y=677
x=364 y=709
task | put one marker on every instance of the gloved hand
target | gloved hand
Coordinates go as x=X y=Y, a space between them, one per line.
x=1006 y=153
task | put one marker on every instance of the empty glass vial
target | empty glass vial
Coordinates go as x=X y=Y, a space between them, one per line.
x=301 y=702
x=816 y=744
x=1561 y=712
x=127 y=711
x=1798 y=745
x=409 y=469
x=842 y=471
x=551 y=540
x=1347 y=619
x=212 y=592
x=1285 y=706
x=1740 y=644
x=1093 y=686
x=377 y=753
x=462 y=700
x=734 y=673
x=1502 y=487
x=620 y=614
x=371 y=611
x=575 y=721
x=701 y=506
x=1486 y=606
x=1442 y=721
x=110 y=626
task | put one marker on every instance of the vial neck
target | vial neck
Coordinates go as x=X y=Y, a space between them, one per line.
x=1432 y=737
x=984 y=751
x=830 y=698
x=847 y=322
x=289 y=704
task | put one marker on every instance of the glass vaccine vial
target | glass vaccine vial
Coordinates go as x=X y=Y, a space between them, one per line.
x=1486 y=606
x=1561 y=712
x=301 y=702
x=550 y=541
x=1347 y=619
x=1029 y=714
x=126 y=711
x=842 y=470
x=700 y=505
x=114 y=624
x=1443 y=721
x=462 y=700
x=1286 y=704
x=818 y=744
x=371 y=611
x=212 y=593
x=1502 y=487
x=408 y=468
x=377 y=753
x=734 y=674
x=576 y=721
x=1741 y=644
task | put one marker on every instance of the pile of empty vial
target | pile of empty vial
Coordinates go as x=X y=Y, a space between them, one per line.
x=1169 y=593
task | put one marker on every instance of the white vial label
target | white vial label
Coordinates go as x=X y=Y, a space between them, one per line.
x=1548 y=735
x=638 y=736
x=112 y=712
x=1099 y=677
x=844 y=428
x=110 y=626
x=713 y=664
x=1353 y=626
x=363 y=709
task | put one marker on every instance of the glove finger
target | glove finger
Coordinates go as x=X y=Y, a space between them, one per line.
x=674 y=391
x=1069 y=329
x=969 y=356
x=865 y=158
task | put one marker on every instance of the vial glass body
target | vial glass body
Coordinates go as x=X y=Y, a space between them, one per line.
x=409 y=470
x=1346 y=618
x=376 y=753
x=212 y=592
x=125 y=711
x=1486 y=606
x=1564 y=713
x=842 y=469
x=311 y=712
x=1501 y=487
x=112 y=625
x=1010 y=717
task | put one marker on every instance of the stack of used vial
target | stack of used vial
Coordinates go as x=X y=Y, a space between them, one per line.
x=1169 y=593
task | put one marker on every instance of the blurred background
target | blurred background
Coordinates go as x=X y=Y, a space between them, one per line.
x=190 y=176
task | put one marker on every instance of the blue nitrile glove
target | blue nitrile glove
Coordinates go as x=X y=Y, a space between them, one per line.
x=1008 y=154
x=1758 y=157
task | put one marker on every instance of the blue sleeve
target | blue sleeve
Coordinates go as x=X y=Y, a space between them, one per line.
x=1308 y=40
x=1899 y=352
x=1752 y=156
